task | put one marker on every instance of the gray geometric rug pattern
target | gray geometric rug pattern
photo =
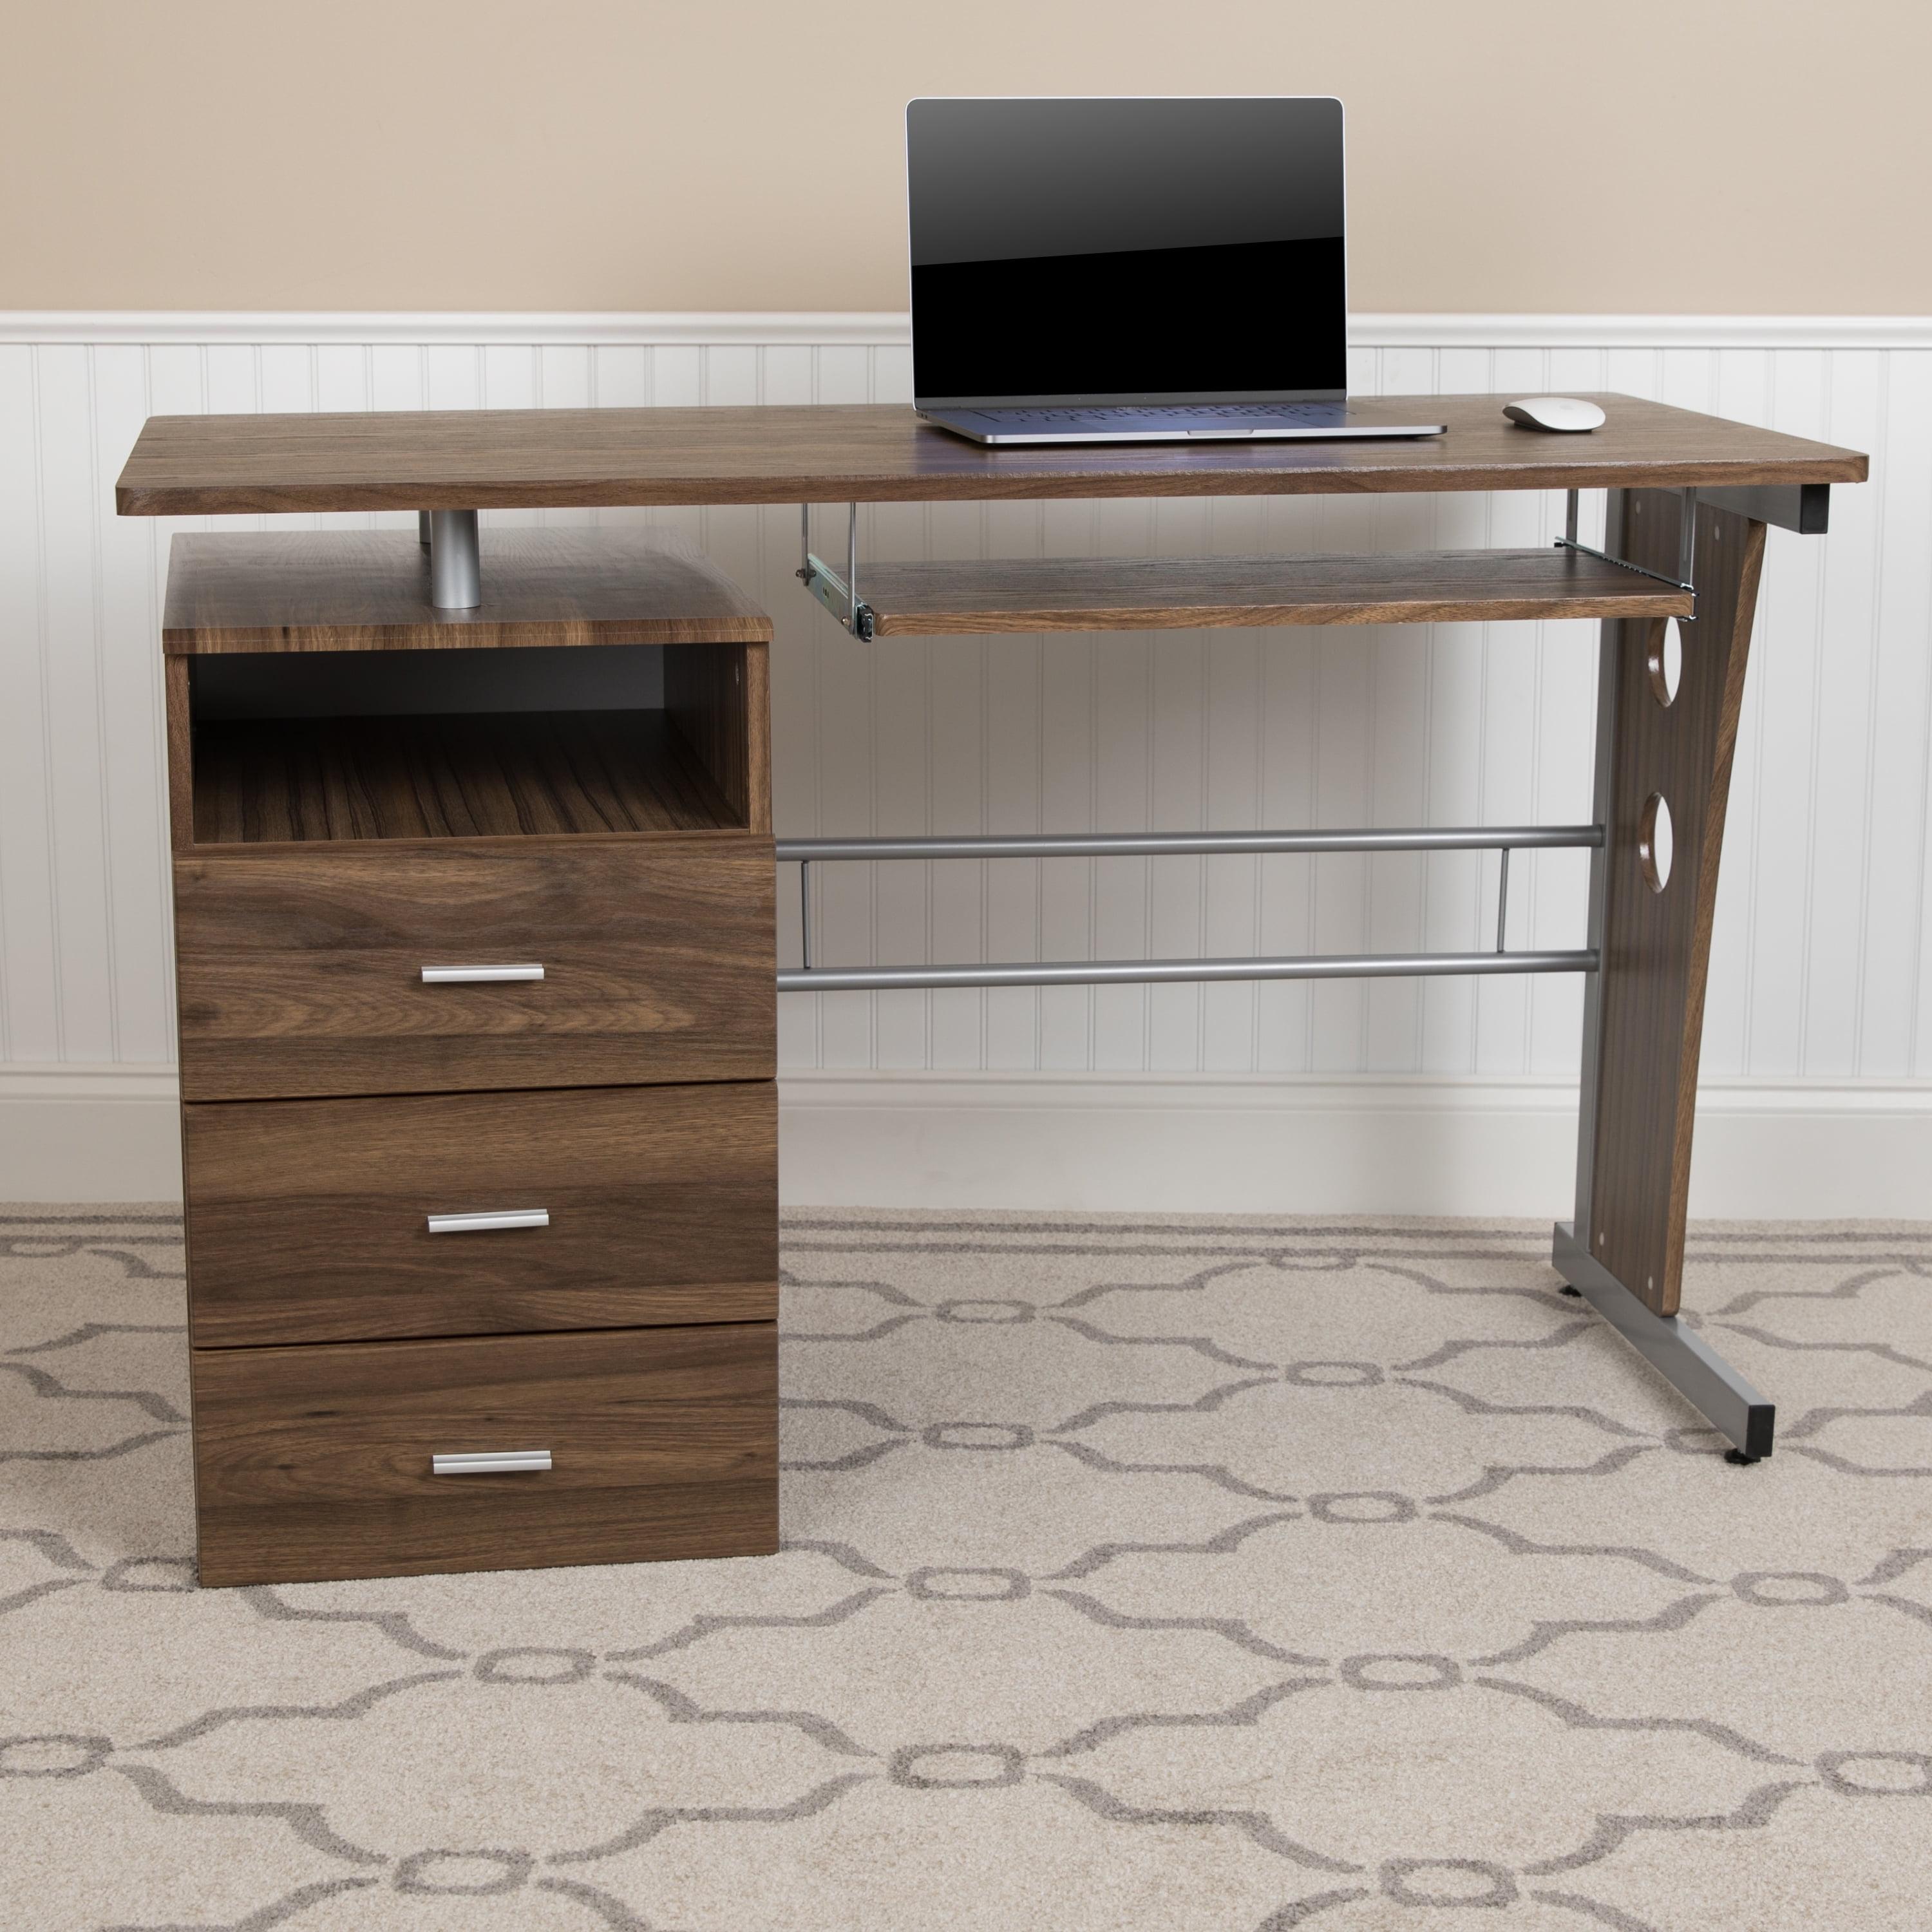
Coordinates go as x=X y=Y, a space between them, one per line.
x=1208 y=1575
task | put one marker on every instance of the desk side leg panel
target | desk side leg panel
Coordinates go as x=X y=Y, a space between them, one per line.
x=1645 y=1014
x=1642 y=1073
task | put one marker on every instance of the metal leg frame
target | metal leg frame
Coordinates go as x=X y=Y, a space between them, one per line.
x=1677 y=1353
x=1682 y=1357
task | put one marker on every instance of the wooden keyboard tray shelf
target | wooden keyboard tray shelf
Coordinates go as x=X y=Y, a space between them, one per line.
x=1036 y=594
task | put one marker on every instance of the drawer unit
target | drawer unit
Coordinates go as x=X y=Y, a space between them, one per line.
x=475 y=948
x=317 y=1463
x=480 y=1213
x=302 y=970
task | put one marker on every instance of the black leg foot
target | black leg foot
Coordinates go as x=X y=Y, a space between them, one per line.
x=1566 y=1289
x=1739 y=1457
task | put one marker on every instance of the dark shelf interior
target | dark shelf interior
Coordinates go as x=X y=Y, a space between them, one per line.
x=449 y=775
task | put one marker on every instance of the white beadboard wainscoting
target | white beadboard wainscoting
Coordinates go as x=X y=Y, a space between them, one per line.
x=1435 y=1096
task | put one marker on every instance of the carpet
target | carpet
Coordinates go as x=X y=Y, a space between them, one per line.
x=1212 y=1575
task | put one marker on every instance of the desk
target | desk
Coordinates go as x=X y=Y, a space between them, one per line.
x=1690 y=497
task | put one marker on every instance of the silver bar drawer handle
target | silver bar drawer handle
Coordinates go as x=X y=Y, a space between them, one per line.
x=491 y=1462
x=470 y=976
x=482 y=1224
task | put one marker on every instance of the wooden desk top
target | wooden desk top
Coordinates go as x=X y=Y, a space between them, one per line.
x=526 y=459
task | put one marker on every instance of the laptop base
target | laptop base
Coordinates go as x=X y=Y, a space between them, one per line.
x=1172 y=422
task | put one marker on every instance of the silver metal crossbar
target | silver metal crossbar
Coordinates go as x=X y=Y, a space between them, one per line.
x=1157 y=972
x=1131 y=844
x=1504 y=839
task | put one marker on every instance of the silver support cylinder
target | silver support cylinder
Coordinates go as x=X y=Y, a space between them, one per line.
x=455 y=564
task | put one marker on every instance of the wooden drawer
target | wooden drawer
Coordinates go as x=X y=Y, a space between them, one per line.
x=316 y=1463
x=308 y=1220
x=300 y=969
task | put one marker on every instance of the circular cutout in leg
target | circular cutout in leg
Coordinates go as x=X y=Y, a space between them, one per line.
x=1654 y=843
x=1665 y=662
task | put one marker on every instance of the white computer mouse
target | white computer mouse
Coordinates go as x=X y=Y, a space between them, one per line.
x=1559 y=412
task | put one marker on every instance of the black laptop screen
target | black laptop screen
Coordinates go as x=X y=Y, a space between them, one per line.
x=1115 y=251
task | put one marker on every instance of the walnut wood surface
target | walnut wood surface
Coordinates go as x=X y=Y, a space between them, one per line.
x=309 y=1217
x=757 y=711
x=342 y=590
x=718 y=698
x=1185 y=593
x=314 y=1463
x=1657 y=947
x=866 y=453
x=299 y=968
x=177 y=707
x=458 y=775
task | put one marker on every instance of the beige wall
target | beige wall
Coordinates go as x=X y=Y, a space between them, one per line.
x=1689 y=156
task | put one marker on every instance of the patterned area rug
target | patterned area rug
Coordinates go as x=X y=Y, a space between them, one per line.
x=1211 y=1576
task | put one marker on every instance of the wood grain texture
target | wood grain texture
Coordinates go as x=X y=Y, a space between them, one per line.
x=343 y=590
x=1656 y=946
x=309 y=1217
x=299 y=967
x=758 y=710
x=314 y=1463
x=869 y=453
x=1033 y=594
x=718 y=699
x=178 y=720
x=458 y=775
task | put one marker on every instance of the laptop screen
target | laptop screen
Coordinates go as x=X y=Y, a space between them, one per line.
x=1098 y=251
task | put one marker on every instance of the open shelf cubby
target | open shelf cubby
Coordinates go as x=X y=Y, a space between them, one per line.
x=451 y=744
x=290 y=780
x=610 y=683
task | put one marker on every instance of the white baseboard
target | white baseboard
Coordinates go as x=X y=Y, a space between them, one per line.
x=1365 y=1145
x=89 y=1133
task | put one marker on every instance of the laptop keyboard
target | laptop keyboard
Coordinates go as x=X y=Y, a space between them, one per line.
x=1099 y=417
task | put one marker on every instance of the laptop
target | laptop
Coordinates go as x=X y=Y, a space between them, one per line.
x=1132 y=271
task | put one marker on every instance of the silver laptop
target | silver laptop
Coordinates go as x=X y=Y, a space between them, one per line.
x=1139 y=270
